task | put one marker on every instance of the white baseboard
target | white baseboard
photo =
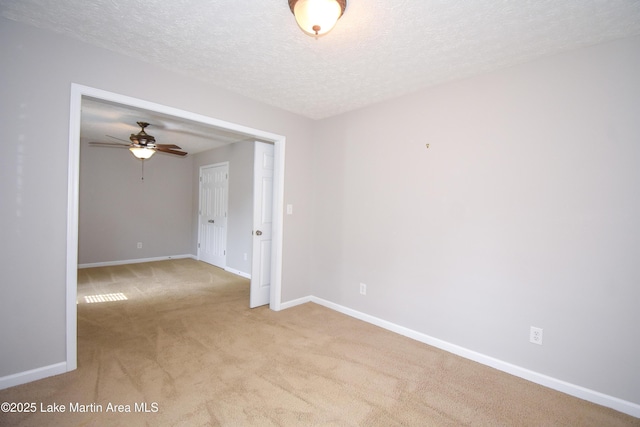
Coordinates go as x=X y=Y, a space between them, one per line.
x=32 y=375
x=295 y=302
x=238 y=272
x=593 y=396
x=134 y=261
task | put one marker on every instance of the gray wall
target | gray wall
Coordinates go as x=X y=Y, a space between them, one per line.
x=523 y=211
x=37 y=70
x=240 y=219
x=118 y=209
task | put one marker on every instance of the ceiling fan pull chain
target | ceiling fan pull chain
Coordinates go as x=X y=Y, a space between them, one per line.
x=142 y=160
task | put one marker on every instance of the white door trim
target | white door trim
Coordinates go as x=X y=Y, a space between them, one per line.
x=73 y=182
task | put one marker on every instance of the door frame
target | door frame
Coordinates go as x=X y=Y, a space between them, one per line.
x=226 y=229
x=73 y=182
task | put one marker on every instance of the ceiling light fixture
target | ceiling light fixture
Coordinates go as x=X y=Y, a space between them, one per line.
x=142 y=153
x=317 y=17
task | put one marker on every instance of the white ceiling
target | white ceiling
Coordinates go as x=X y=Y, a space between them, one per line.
x=379 y=49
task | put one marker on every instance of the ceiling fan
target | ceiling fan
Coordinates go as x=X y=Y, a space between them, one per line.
x=143 y=145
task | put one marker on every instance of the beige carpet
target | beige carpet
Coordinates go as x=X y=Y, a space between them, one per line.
x=186 y=348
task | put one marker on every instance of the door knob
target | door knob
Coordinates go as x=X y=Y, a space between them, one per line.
x=211 y=221
x=258 y=233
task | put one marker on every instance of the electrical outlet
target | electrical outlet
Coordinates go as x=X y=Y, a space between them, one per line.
x=139 y=245
x=245 y=256
x=363 y=289
x=535 y=335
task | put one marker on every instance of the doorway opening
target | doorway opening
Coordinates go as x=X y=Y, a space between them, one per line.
x=78 y=92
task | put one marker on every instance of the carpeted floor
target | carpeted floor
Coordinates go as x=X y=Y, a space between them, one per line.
x=185 y=349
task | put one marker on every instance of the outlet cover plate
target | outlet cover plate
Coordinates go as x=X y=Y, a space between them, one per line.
x=535 y=335
x=363 y=289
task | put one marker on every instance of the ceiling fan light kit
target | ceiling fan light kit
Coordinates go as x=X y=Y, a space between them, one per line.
x=142 y=153
x=317 y=17
x=142 y=144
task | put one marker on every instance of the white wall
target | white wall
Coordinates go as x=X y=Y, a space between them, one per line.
x=37 y=70
x=523 y=211
x=240 y=219
x=118 y=209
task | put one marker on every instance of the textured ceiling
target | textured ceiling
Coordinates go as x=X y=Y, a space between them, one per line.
x=380 y=49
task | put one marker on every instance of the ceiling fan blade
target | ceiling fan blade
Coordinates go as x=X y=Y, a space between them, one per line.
x=110 y=144
x=168 y=146
x=170 y=151
x=119 y=139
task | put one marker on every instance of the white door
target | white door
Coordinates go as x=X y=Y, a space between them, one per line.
x=212 y=218
x=262 y=223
